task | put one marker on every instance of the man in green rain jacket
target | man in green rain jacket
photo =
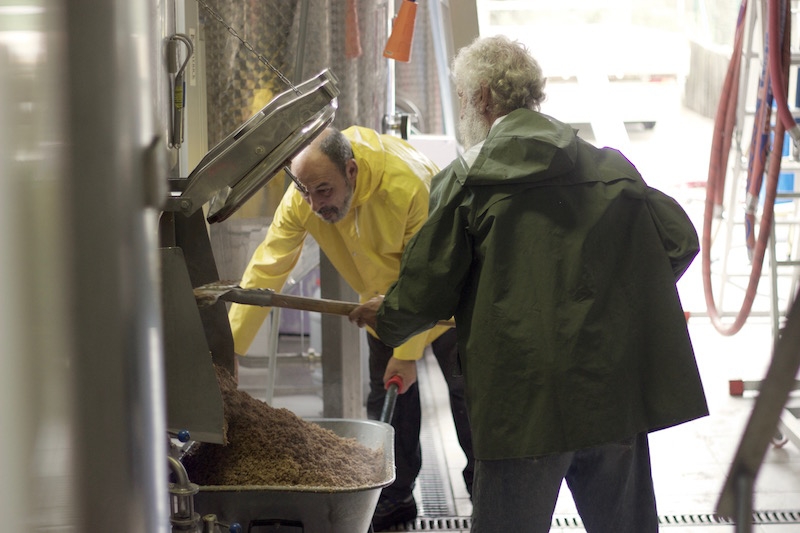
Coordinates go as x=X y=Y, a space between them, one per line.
x=559 y=264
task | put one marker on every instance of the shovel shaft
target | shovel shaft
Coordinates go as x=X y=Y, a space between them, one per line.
x=265 y=298
x=213 y=292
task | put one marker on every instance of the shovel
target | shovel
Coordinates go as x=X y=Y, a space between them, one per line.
x=229 y=291
x=392 y=389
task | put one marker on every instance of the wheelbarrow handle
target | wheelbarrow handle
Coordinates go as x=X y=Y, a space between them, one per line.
x=393 y=386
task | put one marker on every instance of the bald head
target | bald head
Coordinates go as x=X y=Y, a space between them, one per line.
x=332 y=144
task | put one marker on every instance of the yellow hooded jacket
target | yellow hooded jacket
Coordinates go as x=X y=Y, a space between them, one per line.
x=390 y=203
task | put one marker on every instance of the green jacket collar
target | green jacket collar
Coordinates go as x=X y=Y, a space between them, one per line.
x=532 y=146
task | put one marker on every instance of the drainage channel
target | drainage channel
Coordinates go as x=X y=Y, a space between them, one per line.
x=457 y=523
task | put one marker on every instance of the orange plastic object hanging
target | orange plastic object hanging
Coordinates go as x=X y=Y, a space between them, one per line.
x=398 y=47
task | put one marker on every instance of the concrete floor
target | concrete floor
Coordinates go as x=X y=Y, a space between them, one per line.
x=690 y=462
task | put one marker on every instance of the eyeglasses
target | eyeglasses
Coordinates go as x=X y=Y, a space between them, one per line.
x=300 y=186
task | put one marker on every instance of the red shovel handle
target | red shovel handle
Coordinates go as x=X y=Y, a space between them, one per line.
x=397 y=380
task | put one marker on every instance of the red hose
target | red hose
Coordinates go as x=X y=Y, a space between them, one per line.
x=778 y=63
x=759 y=152
x=720 y=150
x=723 y=130
x=726 y=114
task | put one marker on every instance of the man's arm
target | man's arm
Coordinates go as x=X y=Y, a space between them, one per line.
x=434 y=268
x=269 y=267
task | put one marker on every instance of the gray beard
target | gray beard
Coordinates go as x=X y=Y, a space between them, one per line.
x=338 y=212
x=473 y=128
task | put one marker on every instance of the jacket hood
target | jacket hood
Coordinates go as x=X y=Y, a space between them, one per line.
x=368 y=152
x=384 y=157
x=525 y=147
x=530 y=148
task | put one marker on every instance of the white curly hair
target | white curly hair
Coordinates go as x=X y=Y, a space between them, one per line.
x=512 y=75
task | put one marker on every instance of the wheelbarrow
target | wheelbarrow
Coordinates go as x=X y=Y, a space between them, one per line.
x=306 y=509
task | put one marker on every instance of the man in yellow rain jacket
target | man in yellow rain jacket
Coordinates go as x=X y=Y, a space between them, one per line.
x=362 y=196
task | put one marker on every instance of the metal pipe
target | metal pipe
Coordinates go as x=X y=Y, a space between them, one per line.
x=391 y=89
x=182 y=517
x=210 y=523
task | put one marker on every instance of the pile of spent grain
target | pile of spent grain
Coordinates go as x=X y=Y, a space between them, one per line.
x=273 y=447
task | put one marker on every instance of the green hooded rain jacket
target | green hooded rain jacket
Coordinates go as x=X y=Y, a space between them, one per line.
x=559 y=264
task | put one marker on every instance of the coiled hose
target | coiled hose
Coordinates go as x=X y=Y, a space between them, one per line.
x=773 y=83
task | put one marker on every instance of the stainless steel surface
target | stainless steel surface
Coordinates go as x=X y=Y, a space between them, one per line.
x=316 y=509
x=116 y=99
x=177 y=67
x=249 y=157
x=84 y=355
x=194 y=401
x=226 y=202
x=191 y=236
x=36 y=392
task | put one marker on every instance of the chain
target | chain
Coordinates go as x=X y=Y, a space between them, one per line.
x=248 y=46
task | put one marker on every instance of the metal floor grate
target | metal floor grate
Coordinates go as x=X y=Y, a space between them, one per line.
x=459 y=523
x=433 y=481
x=710 y=519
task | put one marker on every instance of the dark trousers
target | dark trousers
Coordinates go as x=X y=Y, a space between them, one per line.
x=408 y=411
x=611 y=485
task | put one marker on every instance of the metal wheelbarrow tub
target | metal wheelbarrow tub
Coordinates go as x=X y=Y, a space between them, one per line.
x=303 y=508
